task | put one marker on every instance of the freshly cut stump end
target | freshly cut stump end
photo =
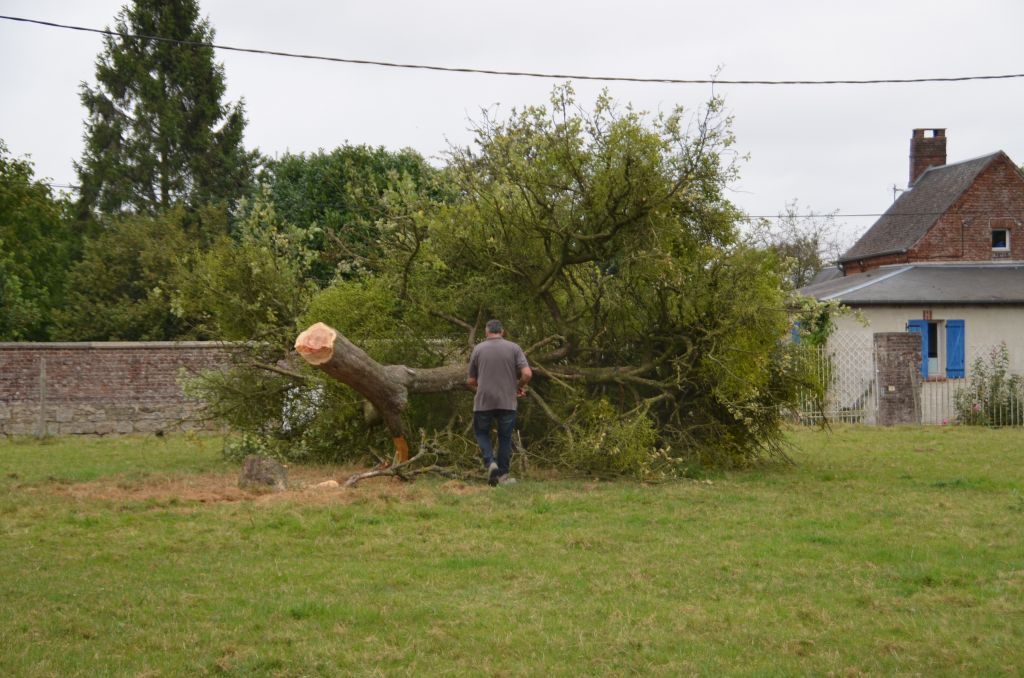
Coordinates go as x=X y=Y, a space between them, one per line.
x=316 y=344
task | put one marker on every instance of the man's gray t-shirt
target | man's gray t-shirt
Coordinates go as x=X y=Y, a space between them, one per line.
x=495 y=364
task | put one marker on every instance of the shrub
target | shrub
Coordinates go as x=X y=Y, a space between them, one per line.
x=603 y=443
x=993 y=396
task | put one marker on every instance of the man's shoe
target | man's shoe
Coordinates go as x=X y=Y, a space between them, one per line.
x=492 y=474
x=506 y=480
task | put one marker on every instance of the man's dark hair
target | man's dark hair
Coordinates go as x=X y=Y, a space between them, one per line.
x=494 y=327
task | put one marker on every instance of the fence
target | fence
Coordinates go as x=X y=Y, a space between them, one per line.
x=988 y=394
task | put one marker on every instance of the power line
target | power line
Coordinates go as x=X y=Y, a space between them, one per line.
x=746 y=217
x=829 y=215
x=524 y=74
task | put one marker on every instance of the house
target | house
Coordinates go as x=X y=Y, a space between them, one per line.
x=961 y=310
x=967 y=211
x=946 y=260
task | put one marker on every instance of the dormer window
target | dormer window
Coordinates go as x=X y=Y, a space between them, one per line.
x=1000 y=240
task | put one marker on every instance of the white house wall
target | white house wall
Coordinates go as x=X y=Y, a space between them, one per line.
x=984 y=327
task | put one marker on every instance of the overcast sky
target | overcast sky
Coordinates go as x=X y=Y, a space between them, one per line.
x=839 y=147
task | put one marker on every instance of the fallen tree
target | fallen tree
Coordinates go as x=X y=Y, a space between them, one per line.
x=603 y=240
x=385 y=387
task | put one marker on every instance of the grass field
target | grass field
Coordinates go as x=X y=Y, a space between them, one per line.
x=883 y=552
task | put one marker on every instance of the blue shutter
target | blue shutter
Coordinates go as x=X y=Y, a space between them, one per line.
x=794 y=333
x=921 y=327
x=955 y=349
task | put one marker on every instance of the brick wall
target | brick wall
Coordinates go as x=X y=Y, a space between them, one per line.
x=100 y=387
x=926 y=150
x=995 y=200
x=871 y=263
x=964 y=233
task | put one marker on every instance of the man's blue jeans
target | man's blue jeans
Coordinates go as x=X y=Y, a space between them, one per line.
x=482 y=428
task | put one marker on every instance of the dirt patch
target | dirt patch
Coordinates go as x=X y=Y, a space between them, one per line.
x=203 y=489
x=214 y=488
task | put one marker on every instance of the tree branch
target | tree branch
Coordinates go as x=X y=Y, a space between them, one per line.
x=545 y=408
x=543 y=342
x=401 y=470
x=280 y=370
x=387 y=387
x=453 y=320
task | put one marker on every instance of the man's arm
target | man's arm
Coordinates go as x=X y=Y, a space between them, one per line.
x=473 y=370
x=525 y=375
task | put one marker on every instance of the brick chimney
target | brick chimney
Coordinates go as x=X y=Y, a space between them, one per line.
x=927 y=149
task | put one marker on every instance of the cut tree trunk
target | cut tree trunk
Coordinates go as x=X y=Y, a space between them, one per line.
x=386 y=387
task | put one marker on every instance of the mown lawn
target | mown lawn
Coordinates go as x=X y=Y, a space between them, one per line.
x=894 y=552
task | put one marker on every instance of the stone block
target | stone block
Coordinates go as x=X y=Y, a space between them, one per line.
x=104 y=427
x=149 y=426
x=263 y=474
x=76 y=428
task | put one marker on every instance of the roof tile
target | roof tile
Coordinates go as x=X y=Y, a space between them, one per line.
x=917 y=210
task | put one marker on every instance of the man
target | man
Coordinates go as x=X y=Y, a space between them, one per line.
x=499 y=373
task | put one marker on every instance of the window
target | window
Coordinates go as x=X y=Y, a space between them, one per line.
x=932 y=352
x=942 y=345
x=1000 y=240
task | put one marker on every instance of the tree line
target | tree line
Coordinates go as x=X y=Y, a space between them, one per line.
x=602 y=236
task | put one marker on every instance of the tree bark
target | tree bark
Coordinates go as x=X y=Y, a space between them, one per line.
x=386 y=387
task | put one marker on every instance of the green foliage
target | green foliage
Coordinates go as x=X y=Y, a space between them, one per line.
x=375 y=318
x=340 y=196
x=993 y=396
x=609 y=234
x=18 y=313
x=602 y=442
x=157 y=133
x=611 y=231
x=36 y=247
x=814 y=321
x=290 y=420
x=605 y=240
x=121 y=289
x=250 y=286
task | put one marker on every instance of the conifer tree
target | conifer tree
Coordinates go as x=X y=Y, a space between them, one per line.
x=158 y=133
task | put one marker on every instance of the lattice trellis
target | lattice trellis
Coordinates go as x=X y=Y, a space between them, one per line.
x=847 y=367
